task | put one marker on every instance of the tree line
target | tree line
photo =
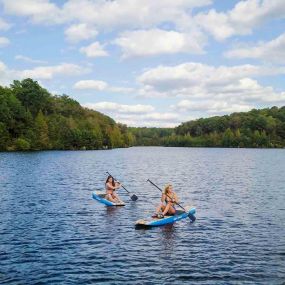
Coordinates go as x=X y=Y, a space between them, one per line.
x=256 y=128
x=150 y=136
x=33 y=119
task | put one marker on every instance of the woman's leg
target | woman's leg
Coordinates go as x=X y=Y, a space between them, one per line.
x=110 y=198
x=169 y=209
x=161 y=207
x=117 y=198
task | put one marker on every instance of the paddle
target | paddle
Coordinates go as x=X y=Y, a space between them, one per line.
x=190 y=216
x=133 y=197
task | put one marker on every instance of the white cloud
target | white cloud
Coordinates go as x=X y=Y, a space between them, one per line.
x=28 y=59
x=79 y=32
x=150 y=120
x=100 y=86
x=216 y=24
x=192 y=75
x=4 y=42
x=4 y=26
x=157 y=41
x=211 y=106
x=242 y=19
x=209 y=88
x=39 y=73
x=162 y=117
x=6 y=76
x=121 y=14
x=272 y=51
x=136 y=115
x=249 y=90
x=105 y=15
x=94 y=50
x=240 y=96
x=39 y=11
x=120 y=108
x=49 y=72
x=91 y=84
x=130 y=13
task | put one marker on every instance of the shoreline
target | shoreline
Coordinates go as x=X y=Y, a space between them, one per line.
x=137 y=146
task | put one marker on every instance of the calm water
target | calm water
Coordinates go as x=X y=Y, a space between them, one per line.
x=52 y=232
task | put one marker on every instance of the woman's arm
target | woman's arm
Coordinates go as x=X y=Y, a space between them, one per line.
x=163 y=198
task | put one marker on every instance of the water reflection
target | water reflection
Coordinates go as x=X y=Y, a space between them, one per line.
x=111 y=211
x=168 y=235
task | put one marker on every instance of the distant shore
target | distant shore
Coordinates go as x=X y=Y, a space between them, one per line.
x=32 y=119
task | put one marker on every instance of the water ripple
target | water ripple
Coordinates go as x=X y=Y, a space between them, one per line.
x=52 y=232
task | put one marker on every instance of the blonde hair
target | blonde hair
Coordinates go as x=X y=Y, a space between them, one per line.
x=166 y=188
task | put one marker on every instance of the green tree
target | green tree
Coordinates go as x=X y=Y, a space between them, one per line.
x=228 y=138
x=41 y=132
x=31 y=95
x=256 y=139
x=116 y=138
x=22 y=144
x=4 y=137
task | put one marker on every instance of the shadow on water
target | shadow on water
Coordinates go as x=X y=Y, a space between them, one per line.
x=168 y=236
x=113 y=211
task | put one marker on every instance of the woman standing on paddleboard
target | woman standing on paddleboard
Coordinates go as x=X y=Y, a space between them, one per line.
x=168 y=200
x=111 y=186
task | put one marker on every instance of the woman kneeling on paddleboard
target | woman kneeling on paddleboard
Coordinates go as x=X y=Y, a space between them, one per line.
x=111 y=186
x=168 y=199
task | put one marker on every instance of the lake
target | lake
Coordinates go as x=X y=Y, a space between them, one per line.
x=53 y=232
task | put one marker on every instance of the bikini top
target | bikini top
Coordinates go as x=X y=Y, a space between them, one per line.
x=108 y=188
x=166 y=201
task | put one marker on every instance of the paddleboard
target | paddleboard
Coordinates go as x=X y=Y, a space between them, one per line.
x=101 y=197
x=154 y=222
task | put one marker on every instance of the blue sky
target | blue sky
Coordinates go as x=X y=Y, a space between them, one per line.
x=149 y=63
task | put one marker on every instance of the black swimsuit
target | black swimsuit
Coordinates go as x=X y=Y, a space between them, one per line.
x=168 y=201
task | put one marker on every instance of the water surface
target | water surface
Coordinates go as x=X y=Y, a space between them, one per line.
x=52 y=232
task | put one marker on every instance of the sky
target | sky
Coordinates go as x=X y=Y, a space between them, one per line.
x=153 y=63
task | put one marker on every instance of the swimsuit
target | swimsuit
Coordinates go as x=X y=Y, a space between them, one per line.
x=171 y=205
x=109 y=190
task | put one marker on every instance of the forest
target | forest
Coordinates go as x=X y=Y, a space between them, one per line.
x=264 y=128
x=150 y=136
x=33 y=119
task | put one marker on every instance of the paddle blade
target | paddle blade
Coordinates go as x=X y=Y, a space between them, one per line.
x=192 y=218
x=134 y=197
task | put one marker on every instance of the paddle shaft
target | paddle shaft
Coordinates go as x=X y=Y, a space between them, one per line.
x=165 y=194
x=118 y=181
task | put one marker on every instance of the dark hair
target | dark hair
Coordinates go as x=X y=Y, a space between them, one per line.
x=113 y=181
